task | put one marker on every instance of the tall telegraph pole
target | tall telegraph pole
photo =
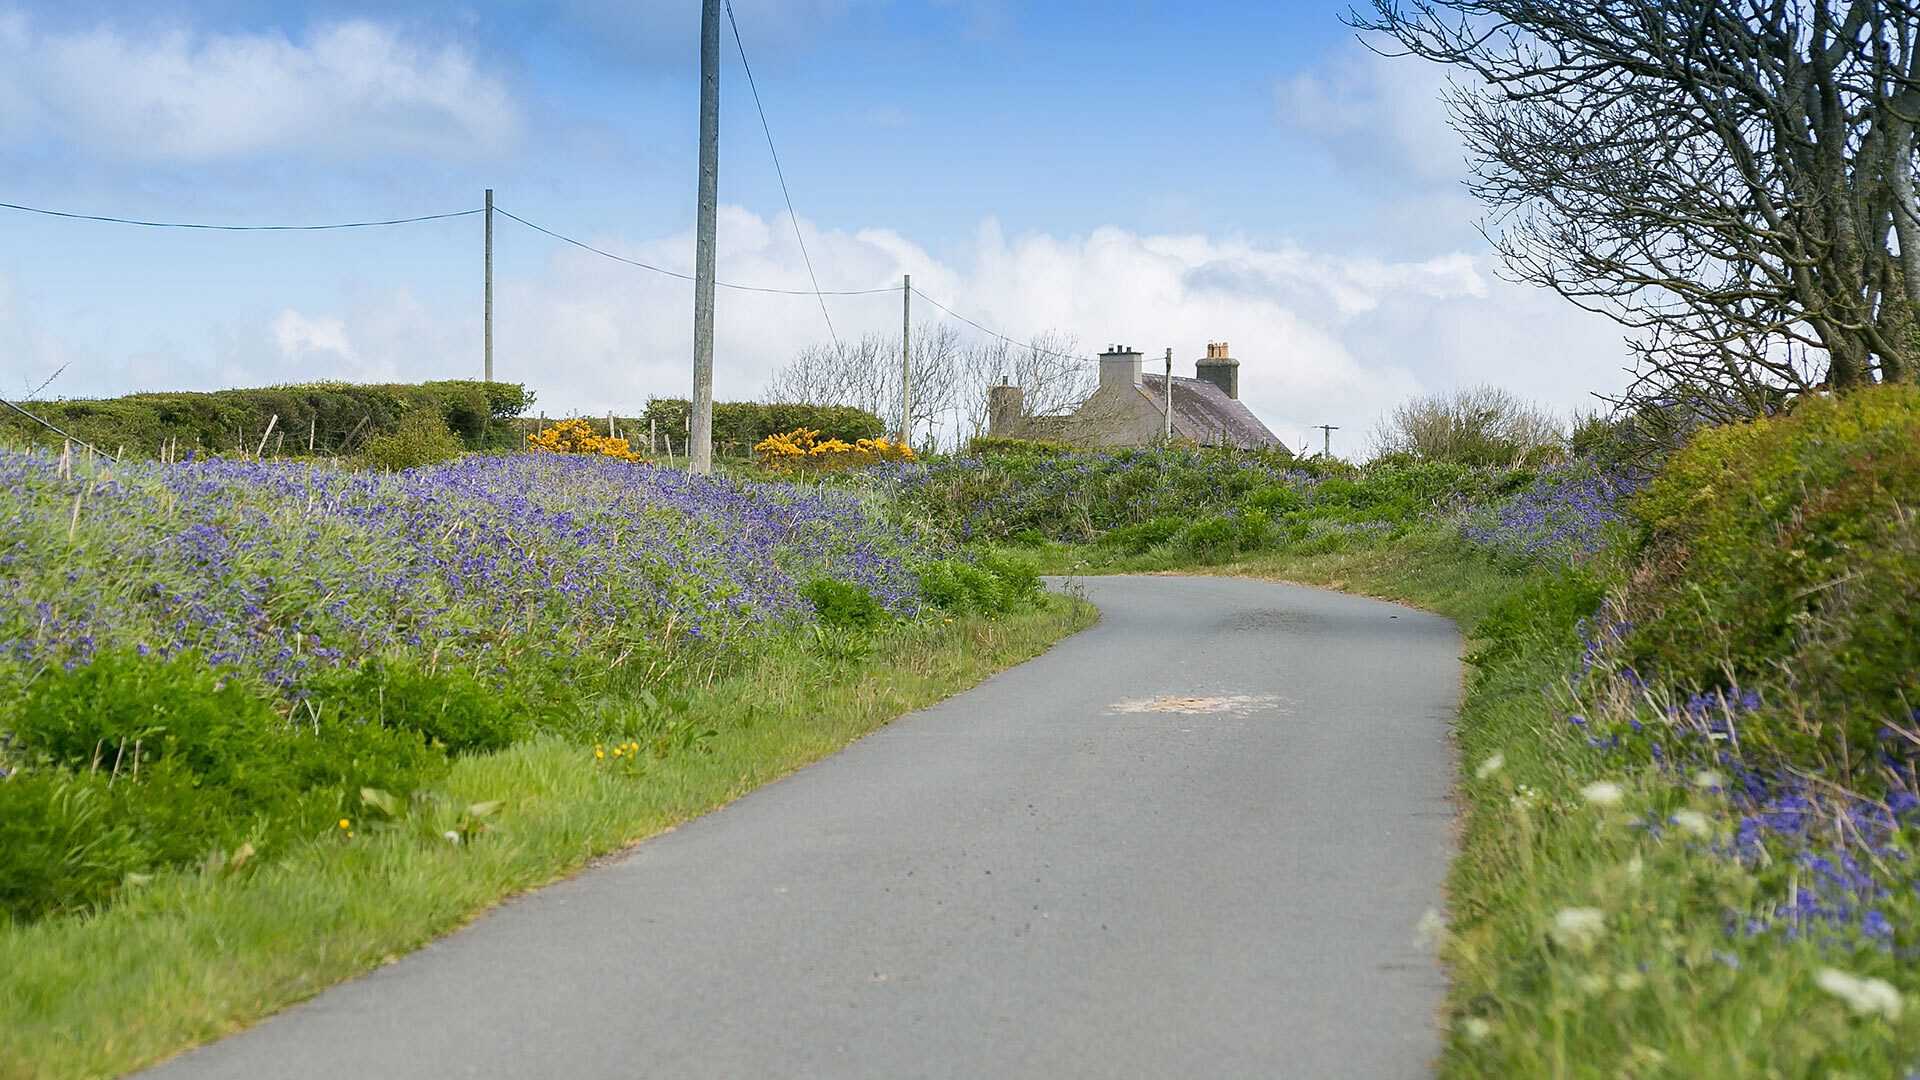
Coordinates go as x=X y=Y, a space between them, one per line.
x=906 y=356
x=700 y=440
x=489 y=285
x=1166 y=429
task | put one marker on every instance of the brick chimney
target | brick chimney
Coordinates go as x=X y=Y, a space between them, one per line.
x=1004 y=405
x=1119 y=368
x=1219 y=369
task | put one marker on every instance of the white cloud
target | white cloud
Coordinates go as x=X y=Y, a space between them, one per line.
x=1382 y=118
x=353 y=88
x=1323 y=338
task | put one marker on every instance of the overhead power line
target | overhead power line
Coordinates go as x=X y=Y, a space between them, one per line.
x=50 y=426
x=781 y=173
x=677 y=274
x=990 y=332
x=238 y=228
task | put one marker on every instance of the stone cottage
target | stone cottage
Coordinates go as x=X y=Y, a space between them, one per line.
x=1129 y=407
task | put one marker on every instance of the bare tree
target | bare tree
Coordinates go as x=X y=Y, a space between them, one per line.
x=1733 y=179
x=950 y=378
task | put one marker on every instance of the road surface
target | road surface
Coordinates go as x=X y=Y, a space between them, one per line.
x=1195 y=840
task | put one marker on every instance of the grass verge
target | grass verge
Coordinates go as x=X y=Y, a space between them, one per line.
x=195 y=956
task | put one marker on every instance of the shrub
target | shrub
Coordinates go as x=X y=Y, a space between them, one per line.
x=1482 y=426
x=339 y=417
x=1780 y=546
x=1212 y=537
x=1018 y=580
x=992 y=584
x=1141 y=538
x=136 y=763
x=422 y=438
x=743 y=424
x=985 y=445
x=843 y=606
x=576 y=436
x=802 y=450
x=450 y=709
x=959 y=586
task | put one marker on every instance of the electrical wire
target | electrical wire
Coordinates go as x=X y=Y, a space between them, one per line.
x=57 y=430
x=685 y=277
x=989 y=331
x=238 y=228
x=781 y=173
x=816 y=292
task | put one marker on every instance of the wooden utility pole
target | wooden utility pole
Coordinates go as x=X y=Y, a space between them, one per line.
x=700 y=437
x=489 y=328
x=906 y=356
x=1326 y=439
x=1166 y=427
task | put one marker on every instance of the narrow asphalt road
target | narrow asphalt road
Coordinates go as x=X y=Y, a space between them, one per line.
x=1193 y=841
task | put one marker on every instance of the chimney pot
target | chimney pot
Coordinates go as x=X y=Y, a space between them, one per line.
x=1220 y=369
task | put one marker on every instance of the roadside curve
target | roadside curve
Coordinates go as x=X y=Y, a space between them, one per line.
x=1195 y=840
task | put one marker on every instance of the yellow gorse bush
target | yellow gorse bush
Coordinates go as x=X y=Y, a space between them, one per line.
x=802 y=450
x=576 y=436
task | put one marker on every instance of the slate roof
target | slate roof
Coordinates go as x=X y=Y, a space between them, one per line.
x=1204 y=413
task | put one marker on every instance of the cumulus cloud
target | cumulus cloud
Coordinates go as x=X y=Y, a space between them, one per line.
x=1322 y=337
x=1382 y=118
x=355 y=88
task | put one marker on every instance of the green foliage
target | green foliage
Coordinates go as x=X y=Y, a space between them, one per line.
x=742 y=424
x=843 y=605
x=1018 y=580
x=1137 y=499
x=135 y=764
x=1141 y=538
x=422 y=438
x=341 y=417
x=1541 y=613
x=985 y=445
x=61 y=844
x=1781 y=544
x=450 y=709
x=990 y=584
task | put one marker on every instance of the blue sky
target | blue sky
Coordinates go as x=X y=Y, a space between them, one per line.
x=1155 y=173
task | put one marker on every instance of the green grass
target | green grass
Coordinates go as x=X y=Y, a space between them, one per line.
x=1664 y=989
x=194 y=956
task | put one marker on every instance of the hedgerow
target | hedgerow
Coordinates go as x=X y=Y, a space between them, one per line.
x=338 y=418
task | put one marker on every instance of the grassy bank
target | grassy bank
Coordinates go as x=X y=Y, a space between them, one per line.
x=199 y=953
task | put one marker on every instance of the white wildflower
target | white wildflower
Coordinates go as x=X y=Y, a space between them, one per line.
x=1578 y=928
x=1493 y=764
x=1708 y=780
x=1864 y=996
x=1604 y=793
x=1635 y=868
x=452 y=837
x=1475 y=1029
x=1430 y=931
x=1693 y=823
